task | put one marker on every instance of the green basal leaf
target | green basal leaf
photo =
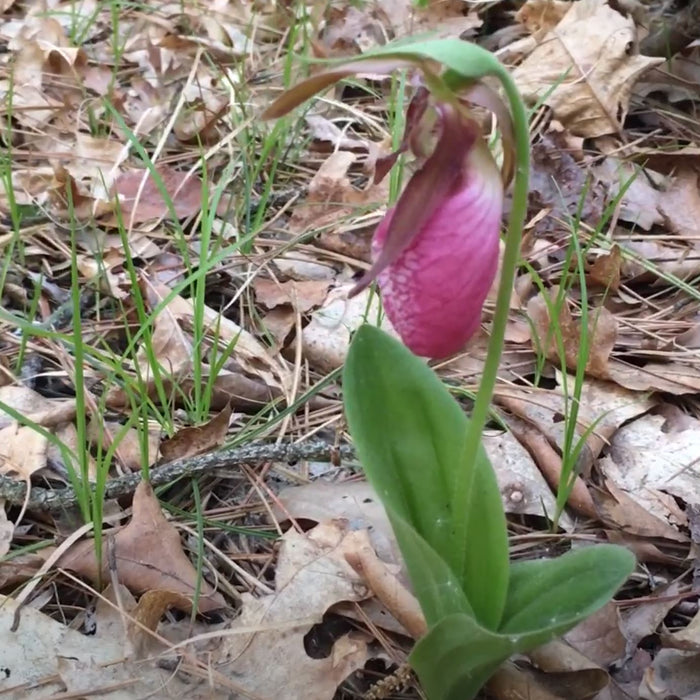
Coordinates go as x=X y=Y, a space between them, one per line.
x=436 y=587
x=546 y=599
x=409 y=433
x=555 y=594
x=456 y=658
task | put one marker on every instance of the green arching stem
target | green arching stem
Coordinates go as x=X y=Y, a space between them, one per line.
x=465 y=476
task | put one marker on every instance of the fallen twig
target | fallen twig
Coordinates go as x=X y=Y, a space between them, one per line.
x=15 y=492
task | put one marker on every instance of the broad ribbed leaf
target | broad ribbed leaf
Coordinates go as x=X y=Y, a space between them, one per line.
x=555 y=594
x=546 y=599
x=436 y=587
x=409 y=433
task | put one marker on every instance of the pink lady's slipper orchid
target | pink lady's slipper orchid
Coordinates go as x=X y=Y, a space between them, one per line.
x=435 y=253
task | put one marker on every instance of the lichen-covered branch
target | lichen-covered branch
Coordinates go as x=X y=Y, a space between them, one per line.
x=53 y=500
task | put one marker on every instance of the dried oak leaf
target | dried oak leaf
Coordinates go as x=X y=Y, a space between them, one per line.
x=653 y=464
x=264 y=647
x=585 y=68
x=129 y=450
x=673 y=377
x=599 y=637
x=558 y=182
x=24 y=450
x=639 y=192
x=7 y=531
x=148 y=555
x=680 y=204
x=333 y=199
x=541 y=16
x=604 y=406
x=326 y=339
x=604 y=271
x=629 y=517
x=249 y=378
x=527 y=681
x=672 y=674
x=45 y=658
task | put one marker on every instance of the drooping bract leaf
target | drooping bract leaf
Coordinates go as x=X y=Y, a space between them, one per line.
x=464 y=62
x=409 y=433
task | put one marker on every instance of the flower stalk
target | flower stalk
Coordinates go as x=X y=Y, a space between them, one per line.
x=511 y=257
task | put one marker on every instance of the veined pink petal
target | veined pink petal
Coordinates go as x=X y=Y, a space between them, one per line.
x=426 y=190
x=434 y=291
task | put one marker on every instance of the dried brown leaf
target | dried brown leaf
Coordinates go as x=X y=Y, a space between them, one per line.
x=327 y=338
x=640 y=203
x=539 y=17
x=604 y=406
x=34 y=407
x=680 y=205
x=23 y=451
x=668 y=258
x=7 y=531
x=268 y=651
x=354 y=501
x=327 y=132
x=599 y=637
x=602 y=333
x=19 y=569
x=279 y=323
x=549 y=463
x=644 y=549
x=605 y=270
x=560 y=185
x=129 y=449
x=642 y=620
x=303 y=296
x=672 y=674
x=170 y=344
x=148 y=556
x=191 y=441
x=587 y=57
x=185 y=194
x=46 y=658
x=652 y=465
x=523 y=681
x=687 y=639
x=618 y=507
x=332 y=198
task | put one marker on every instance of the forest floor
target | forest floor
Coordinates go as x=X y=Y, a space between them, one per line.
x=179 y=488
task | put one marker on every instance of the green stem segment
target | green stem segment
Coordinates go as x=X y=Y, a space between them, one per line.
x=465 y=476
